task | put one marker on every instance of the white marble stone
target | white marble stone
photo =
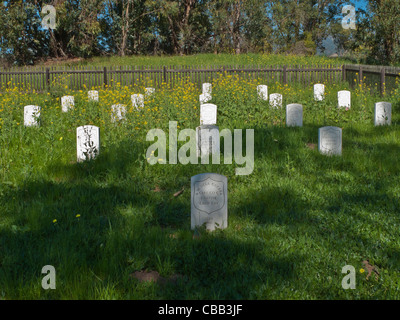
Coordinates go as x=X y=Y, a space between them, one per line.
x=209 y=201
x=330 y=140
x=383 y=113
x=262 y=92
x=344 y=99
x=207 y=140
x=137 y=101
x=118 y=112
x=31 y=115
x=204 y=98
x=149 y=92
x=67 y=103
x=93 y=95
x=208 y=114
x=275 y=100
x=294 y=115
x=319 y=92
x=87 y=142
x=207 y=88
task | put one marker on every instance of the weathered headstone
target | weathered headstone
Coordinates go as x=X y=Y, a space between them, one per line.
x=67 y=103
x=275 y=100
x=93 y=95
x=262 y=92
x=330 y=140
x=383 y=113
x=319 y=92
x=207 y=88
x=150 y=92
x=87 y=142
x=118 y=112
x=209 y=201
x=204 y=98
x=344 y=99
x=208 y=114
x=294 y=115
x=31 y=115
x=138 y=101
x=207 y=140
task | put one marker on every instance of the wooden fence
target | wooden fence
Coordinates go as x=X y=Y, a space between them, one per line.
x=81 y=78
x=379 y=79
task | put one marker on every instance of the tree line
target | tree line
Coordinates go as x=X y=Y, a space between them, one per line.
x=88 y=28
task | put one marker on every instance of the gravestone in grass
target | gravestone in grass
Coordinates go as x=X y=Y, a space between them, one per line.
x=204 y=98
x=93 y=95
x=209 y=201
x=137 y=101
x=207 y=140
x=208 y=114
x=207 y=88
x=344 y=99
x=275 y=100
x=319 y=92
x=67 y=103
x=294 y=115
x=118 y=112
x=149 y=92
x=87 y=142
x=330 y=140
x=31 y=115
x=383 y=113
x=262 y=92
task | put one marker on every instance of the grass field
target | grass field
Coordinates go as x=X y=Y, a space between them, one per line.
x=294 y=223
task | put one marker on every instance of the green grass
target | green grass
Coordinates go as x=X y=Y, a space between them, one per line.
x=293 y=223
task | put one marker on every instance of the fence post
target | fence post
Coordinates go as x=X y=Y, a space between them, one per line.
x=48 y=77
x=360 y=76
x=344 y=72
x=383 y=81
x=284 y=75
x=165 y=74
x=105 y=77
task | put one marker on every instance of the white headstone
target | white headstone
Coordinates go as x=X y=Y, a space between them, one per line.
x=67 y=102
x=207 y=140
x=150 y=91
x=87 y=142
x=209 y=201
x=344 y=99
x=118 y=112
x=294 y=115
x=275 y=100
x=31 y=115
x=93 y=95
x=208 y=114
x=262 y=92
x=138 y=101
x=319 y=92
x=207 y=88
x=383 y=113
x=330 y=140
x=204 y=98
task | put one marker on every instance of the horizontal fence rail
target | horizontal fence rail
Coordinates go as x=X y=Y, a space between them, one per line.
x=78 y=78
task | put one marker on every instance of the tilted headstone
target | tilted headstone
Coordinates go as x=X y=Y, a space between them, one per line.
x=207 y=88
x=319 y=92
x=93 y=95
x=209 y=201
x=330 y=140
x=150 y=91
x=137 y=101
x=208 y=114
x=67 y=103
x=344 y=99
x=275 y=100
x=262 y=92
x=383 y=113
x=204 y=98
x=207 y=140
x=87 y=142
x=118 y=112
x=294 y=115
x=31 y=115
